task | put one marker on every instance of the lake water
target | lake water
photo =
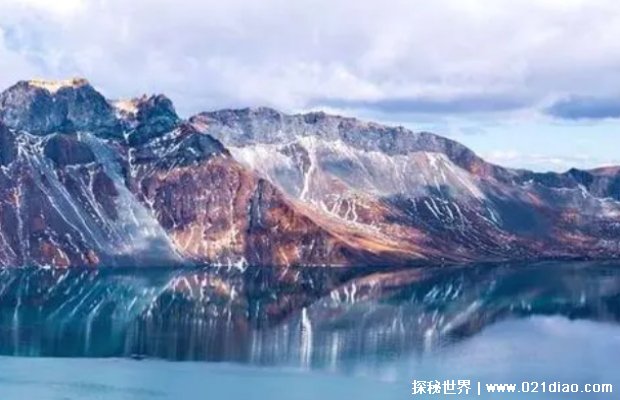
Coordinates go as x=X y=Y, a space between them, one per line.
x=306 y=334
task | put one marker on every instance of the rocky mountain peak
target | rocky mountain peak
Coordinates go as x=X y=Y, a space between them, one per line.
x=257 y=186
x=147 y=117
x=265 y=126
x=144 y=107
x=43 y=107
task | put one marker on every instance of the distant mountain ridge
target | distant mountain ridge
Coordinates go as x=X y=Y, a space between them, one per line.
x=89 y=181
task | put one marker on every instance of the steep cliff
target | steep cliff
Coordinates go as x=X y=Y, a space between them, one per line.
x=87 y=181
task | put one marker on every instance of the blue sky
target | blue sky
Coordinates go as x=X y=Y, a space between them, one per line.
x=532 y=83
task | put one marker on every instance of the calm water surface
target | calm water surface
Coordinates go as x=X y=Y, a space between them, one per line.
x=305 y=334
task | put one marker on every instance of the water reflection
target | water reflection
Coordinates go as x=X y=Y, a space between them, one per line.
x=309 y=318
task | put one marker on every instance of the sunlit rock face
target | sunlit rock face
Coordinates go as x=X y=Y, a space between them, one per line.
x=148 y=117
x=421 y=190
x=87 y=181
x=215 y=209
x=302 y=317
x=154 y=191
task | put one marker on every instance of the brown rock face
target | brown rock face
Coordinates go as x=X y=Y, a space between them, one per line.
x=216 y=210
x=62 y=206
x=420 y=192
x=165 y=194
x=65 y=150
x=38 y=226
x=89 y=182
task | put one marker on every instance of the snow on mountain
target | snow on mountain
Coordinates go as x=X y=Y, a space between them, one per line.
x=154 y=191
x=419 y=186
x=89 y=181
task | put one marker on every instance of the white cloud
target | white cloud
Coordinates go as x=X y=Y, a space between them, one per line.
x=547 y=162
x=488 y=59
x=58 y=8
x=287 y=54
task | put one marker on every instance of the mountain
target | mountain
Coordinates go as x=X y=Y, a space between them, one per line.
x=87 y=181
x=155 y=191
x=44 y=107
x=421 y=190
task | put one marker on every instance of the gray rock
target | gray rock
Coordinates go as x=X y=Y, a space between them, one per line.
x=43 y=108
x=8 y=149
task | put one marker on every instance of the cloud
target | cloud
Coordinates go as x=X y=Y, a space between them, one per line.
x=577 y=108
x=546 y=162
x=421 y=105
x=59 y=8
x=440 y=57
x=489 y=73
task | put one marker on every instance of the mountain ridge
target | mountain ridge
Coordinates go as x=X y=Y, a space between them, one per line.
x=90 y=181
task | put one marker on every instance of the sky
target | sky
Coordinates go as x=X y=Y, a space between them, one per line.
x=529 y=84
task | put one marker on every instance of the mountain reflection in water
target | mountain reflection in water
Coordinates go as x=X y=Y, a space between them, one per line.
x=301 y=317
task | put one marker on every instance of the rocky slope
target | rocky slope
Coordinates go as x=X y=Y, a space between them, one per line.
x=422 y=188
x=89 y=181
x=153 y=191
